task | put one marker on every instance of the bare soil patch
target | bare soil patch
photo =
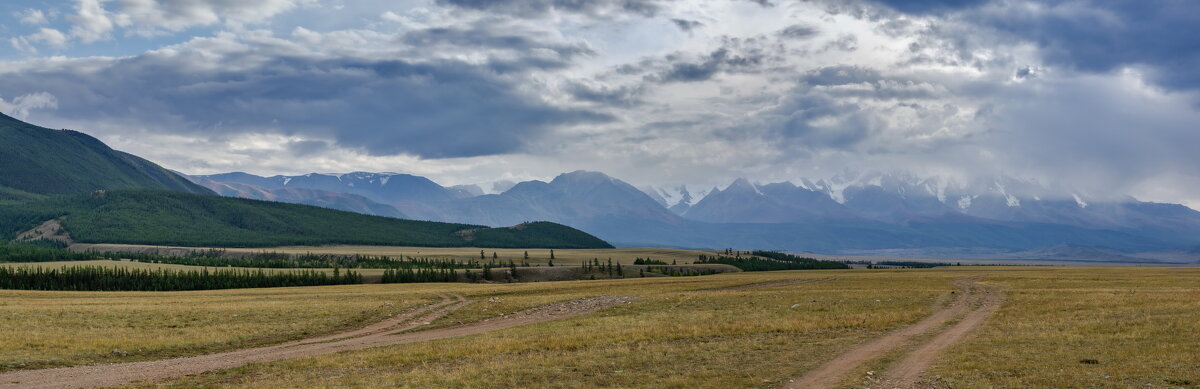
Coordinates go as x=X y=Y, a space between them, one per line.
x=50 y=230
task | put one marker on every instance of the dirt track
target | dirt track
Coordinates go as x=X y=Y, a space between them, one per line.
x=375 y=335
x=978 y=302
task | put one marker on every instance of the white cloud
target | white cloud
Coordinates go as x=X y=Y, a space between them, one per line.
x=98 y=20
x=21 y=105
x=32 y=17
x=91 y=21
x=854 y=88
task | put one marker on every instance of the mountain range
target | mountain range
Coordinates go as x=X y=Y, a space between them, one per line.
x=86 y=192
x=847 y=213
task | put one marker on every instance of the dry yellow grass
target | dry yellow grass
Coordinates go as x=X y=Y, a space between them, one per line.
x=1085 y=328
x=1138 y=324
x=674 y=335
x=44 y=329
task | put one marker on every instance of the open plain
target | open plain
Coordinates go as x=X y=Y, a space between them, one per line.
x=945 y=327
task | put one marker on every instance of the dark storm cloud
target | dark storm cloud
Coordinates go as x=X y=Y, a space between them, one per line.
x=1100 y=36
x=1085 y=35
x=435 y=108
x=764 y=3
x=687 y=25
x=720 y=60
x=798 y=31
x=486 y=35
x=841 y=75
x=617 y=96
x=536 y=8
x=930 y=6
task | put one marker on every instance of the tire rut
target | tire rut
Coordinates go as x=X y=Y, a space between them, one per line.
x=388 y=332
x=907 y=373
x=832 y=373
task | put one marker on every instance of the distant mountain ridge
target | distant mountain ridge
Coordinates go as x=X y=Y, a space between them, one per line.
x=846 y=213
x=386 y=188
x=315 y=197
x=100 y=195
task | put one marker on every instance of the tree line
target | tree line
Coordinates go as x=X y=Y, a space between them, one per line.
x=96 y=278
x=770 y=261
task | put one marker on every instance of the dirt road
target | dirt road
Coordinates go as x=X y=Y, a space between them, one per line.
x=907 y=373
x=375 y=335
x=977 y=301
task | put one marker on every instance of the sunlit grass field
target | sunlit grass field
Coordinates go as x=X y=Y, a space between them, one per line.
x=46 y=329
x=1136 y=324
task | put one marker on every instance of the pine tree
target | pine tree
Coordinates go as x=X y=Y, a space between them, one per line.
x=551 y=254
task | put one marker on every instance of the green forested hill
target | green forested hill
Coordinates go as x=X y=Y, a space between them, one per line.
x=41 y=161
x=174 y=218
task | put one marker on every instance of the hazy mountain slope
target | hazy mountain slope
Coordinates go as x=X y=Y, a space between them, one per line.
x=746 y=202
x=43 y=161
x=855 y=212
x=575 y=199
x=315 y=197
x=385 y=188
x=175 y=218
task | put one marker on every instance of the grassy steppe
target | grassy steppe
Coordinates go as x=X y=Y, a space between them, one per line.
x=45 y=329
x=1137 y=323
x=1085 y=328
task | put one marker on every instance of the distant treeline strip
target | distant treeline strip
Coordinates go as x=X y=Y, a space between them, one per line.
x=41 y=251
x=274 y=260
x=770 y=261
x=49 y=251
x=96 y=278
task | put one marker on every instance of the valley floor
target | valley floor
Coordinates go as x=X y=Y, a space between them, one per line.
x=948 y=327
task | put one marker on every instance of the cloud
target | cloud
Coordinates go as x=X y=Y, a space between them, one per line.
x=435 y=108
x=930 y=6
x=93 y=20
x=1088 y=93
x=538 y=8
x=619 y=96
x=489 y=35
x=724 y=59
x=798 y=31
x=687 y=25
x=22 y=105
x=1082 y=35
x=32 y=17
x=45 y=36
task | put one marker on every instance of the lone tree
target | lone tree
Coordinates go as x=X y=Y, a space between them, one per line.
x=551 y=254
x=481 y=257
x=494 y=255
x=526 y=255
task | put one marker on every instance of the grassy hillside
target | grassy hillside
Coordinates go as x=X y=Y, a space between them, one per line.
x=37 y=160
x=184 y=219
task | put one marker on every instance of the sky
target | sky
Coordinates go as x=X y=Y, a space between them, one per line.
x=1100 y=96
